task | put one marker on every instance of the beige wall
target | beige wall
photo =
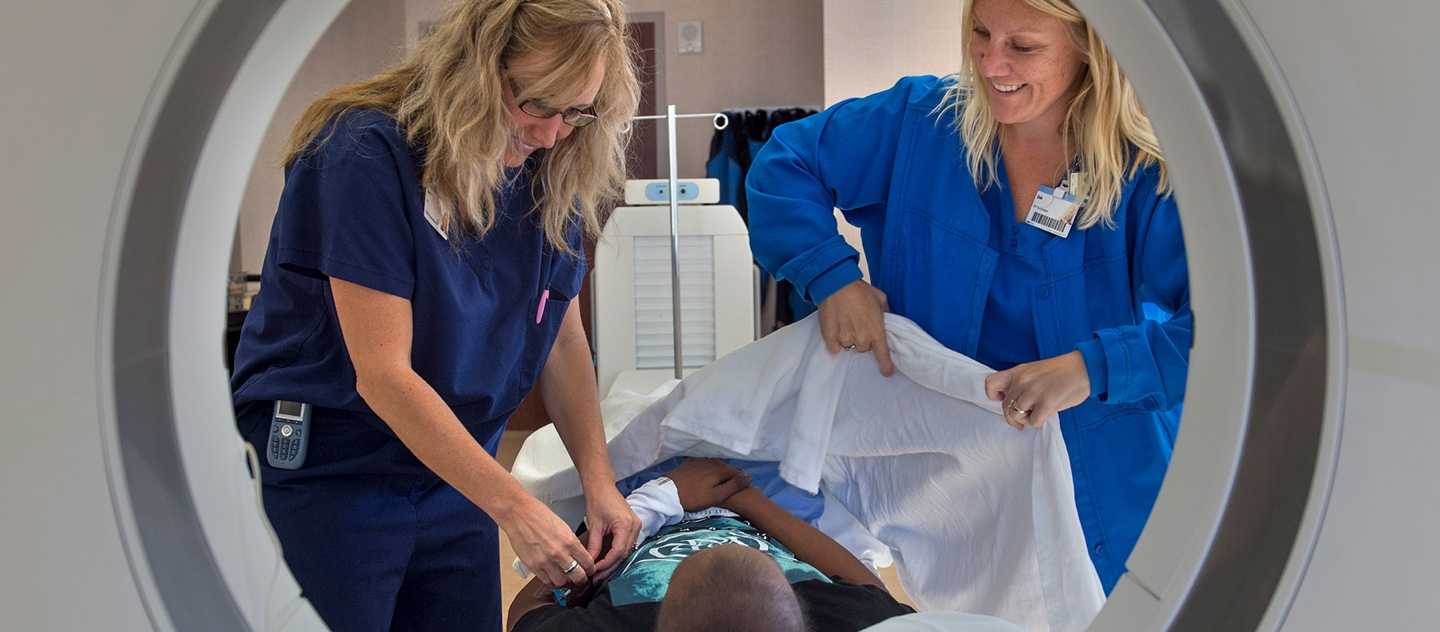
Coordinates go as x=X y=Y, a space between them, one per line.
x=871 y=43
x=417 y=11
x=367 y=36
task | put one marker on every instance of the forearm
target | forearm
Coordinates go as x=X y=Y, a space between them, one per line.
x=567 y=386
x=427 y=426
x=809 y=544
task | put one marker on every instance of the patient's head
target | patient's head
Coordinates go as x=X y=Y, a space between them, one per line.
x=730 y=587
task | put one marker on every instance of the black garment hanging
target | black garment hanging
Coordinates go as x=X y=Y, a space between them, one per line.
x=732 y=151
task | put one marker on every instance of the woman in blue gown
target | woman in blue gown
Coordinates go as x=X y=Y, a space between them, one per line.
x=1020 y=213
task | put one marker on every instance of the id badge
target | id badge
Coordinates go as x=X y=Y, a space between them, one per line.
x=433 y=217
x=1053 y=211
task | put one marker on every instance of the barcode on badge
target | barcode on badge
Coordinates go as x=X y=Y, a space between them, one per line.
x=1048 y=222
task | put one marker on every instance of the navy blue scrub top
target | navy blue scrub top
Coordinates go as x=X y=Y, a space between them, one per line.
x=485 y=311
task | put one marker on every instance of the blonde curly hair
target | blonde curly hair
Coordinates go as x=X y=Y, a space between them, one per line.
x=447 y=95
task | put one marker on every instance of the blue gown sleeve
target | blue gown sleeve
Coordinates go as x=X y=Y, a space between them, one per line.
x=1149 y=360
x=840 y=158
x=342 y=213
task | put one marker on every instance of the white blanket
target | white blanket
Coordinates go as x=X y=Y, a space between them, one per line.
x=980 y=517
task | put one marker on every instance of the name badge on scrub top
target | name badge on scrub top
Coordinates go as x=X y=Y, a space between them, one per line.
x=1053 y=210
x=432 y=215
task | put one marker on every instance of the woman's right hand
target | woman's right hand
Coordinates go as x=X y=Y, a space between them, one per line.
x=853 y=319
x=546 y=545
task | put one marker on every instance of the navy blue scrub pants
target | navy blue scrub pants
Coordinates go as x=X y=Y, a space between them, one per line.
x=375 y=540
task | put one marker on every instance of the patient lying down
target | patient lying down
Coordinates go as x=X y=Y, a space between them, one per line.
x=715 y=555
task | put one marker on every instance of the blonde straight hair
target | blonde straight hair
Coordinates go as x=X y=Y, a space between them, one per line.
x=1105 y=127
x=447 y=96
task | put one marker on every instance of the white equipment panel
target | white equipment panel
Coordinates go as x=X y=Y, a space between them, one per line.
x=632 y=290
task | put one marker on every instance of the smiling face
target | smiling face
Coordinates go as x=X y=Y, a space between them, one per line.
x=532 y=132
x=1026 y=61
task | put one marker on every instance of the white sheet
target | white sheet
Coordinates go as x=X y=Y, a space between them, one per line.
x=943 y=622
x=980 y=517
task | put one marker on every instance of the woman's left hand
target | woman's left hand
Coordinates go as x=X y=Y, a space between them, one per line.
x=1030 y=393
x=607 y=514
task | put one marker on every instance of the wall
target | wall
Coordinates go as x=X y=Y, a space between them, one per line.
x=417 y=11
x=366 y=37
x=869 y=44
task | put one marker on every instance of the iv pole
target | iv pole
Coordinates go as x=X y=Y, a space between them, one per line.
x=720 y=121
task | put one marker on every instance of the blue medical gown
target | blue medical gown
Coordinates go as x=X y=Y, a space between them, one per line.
x=897 y=169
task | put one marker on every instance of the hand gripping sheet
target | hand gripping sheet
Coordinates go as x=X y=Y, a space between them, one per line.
x=980 y=517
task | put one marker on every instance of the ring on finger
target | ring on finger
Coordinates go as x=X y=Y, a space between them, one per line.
x=849 y=347
x=1015 y=408
x=574 y=564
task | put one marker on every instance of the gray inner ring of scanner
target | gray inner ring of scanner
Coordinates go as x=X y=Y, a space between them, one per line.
x=1277 y=464
x=1295 y=325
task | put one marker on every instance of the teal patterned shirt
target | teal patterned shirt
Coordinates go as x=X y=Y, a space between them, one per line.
x=645 y=575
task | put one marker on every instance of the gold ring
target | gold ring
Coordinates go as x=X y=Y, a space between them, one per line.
x=1016 y=409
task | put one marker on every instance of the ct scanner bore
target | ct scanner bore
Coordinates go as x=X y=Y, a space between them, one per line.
x=1267 y=174
x=1242 y=507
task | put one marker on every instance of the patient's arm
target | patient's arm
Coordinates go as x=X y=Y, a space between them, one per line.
x=705 y=483
x=809 y=544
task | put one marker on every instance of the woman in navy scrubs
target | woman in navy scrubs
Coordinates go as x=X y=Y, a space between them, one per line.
x=941 y=176
x=419 y=282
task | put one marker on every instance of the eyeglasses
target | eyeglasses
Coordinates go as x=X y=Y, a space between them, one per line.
x=574 y=117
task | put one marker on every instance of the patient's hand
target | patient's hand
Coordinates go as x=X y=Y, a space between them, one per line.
x=706 y=483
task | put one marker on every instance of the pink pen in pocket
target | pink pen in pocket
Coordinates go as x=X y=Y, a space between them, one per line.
x=540 y=311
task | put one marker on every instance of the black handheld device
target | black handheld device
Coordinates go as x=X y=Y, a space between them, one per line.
x=289 y=435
